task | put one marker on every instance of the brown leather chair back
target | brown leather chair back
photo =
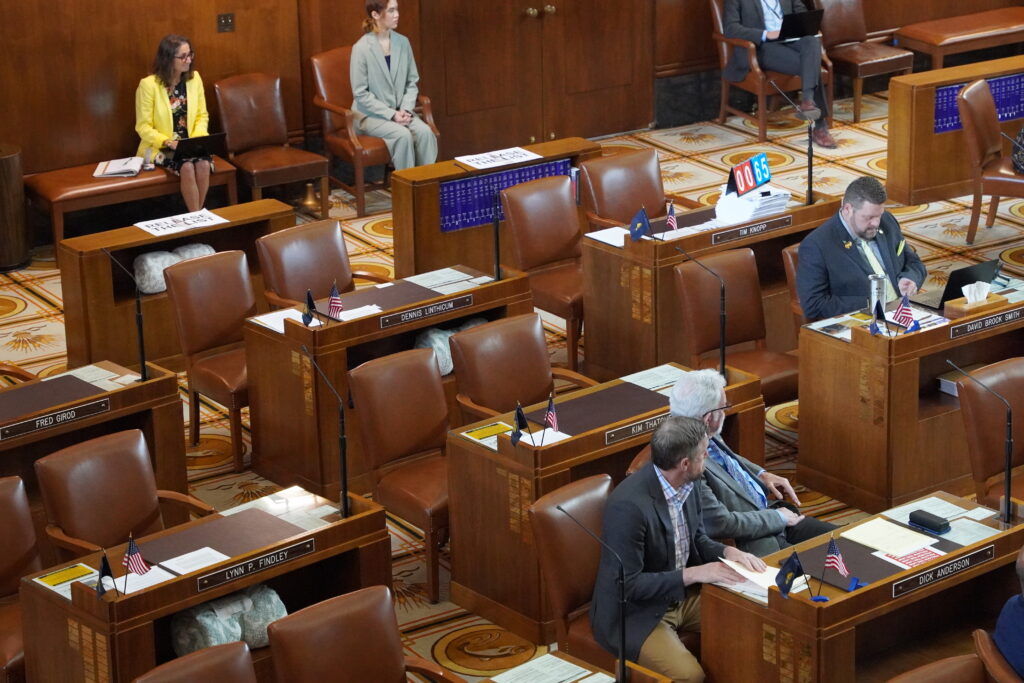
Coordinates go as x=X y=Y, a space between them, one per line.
x=543 y=220
x=228 y=663
x=352 y=637
x=981 y=124
x=211 y=297
x=568 y=556
x=17 y=536
x=995 y=664
x=406 y=383
x=699 y=299
x=985 y=422
x=843 y=22
x=616 y=186
x=332 y=82
x=102 y=489
x=723 y=48
x=502 y=362
x=251 y=111
x=961 y=669
x=311 y=256
x=790 y=263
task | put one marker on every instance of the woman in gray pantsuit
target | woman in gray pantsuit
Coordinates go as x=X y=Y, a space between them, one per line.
x=384 y=78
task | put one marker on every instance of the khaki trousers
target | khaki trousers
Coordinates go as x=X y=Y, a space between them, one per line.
x=664 y=653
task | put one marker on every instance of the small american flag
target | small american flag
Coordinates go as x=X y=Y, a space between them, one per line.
x=551 y=417
x=670 y=221
x=834 y=559
x=334 y=307
x=903 y=315
x=133 y=558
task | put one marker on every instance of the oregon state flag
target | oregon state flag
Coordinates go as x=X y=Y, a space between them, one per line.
x=640 y=225
x=790 y=571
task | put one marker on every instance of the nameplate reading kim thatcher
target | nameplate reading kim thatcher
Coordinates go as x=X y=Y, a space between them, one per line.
x=639 y=427
x=943 y=571
x=255 y=565
x=428 y=311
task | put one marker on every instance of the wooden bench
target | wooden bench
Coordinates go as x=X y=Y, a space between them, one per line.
x=953 y=35
x=73 y=189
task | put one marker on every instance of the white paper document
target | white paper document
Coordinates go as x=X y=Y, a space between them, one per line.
x=499 y=157
x=181 y=223
x=275 y=319
x=310 y=519
x=290 y=500
x=544 y=669
x=655 y=378
x=932 y=504
x=118 y=168
x=548 y=436
x=453 y=287
x=881 y=534
x=60 y=580
x=616 y=237
x=138 y=582
x=966 y=531
x=194 y=561
x=597 y=678
x=487 y=435
x=979 y=513
x=757 y=585
x=438 y=278
x=361 y=312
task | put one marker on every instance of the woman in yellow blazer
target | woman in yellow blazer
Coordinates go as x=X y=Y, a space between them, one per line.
x=169 y=106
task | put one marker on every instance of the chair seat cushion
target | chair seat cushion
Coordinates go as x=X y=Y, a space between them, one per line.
x=995 y=491
x=11 y=645
x=375 y=152
x=999 y=178
x=779 y=372
x=870 y=59
x=268 y=166
x=966 y=28
x=223 y=378
x=417 y=492
x=581 y=644
x=559 y=291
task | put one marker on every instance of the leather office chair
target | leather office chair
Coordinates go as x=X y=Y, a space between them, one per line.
x=985 y=425
x=228 y=663
x=790 y=262
x=410 y=472
x=501 y=362
x=961 y=669
x=996 y=666
x=211 y=297
x=99 y=491
x=16 y=373
x=541 y=215
x=312 y=256
x=341 y=136
x=352 y=637
x=845 y=38
x=698 y=294
x=613 y=188
x=252 y=115
x=20 y=557
x=757 y=79
x=992 y=171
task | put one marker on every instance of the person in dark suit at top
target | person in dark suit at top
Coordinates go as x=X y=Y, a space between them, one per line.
x=655 y=526
x=862 y=239
x=759 y=21
x=1009 y=633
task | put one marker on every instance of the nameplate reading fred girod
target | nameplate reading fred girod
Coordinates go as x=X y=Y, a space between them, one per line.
x=640 y=427
x=750 y=230
x=255 y=565
x=428 y=311
x=943 y=571
x=54 y=419
x=986 y=323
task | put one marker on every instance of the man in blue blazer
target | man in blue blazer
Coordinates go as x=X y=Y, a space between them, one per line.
x=654 y=524
x=863 y=239
x=1009 y=633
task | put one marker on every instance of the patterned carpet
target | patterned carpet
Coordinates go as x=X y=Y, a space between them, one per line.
x=694 y=159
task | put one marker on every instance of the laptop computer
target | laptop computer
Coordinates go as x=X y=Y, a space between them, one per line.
x=800 y=24
x=206 y=145
x=979 y=272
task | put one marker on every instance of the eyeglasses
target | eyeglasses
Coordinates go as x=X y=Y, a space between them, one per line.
x=187 y=55
x=723 y=408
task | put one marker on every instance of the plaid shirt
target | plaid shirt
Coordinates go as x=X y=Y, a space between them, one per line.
x=676 y=497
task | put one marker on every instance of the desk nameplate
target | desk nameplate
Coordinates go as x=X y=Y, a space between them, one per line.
x=613 y=436
x=723 y=236
x=943 y=571
x=55 y=418
x=986 y=323
x=428 y=311
x=255 y=565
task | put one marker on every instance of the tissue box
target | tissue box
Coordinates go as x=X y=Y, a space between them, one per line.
x=959 y=308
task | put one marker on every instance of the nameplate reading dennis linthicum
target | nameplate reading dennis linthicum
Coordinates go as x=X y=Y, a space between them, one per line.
x=428 y=311
x=255 y=565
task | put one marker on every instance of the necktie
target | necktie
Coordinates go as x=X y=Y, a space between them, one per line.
x=741 y=476
x=869 y=253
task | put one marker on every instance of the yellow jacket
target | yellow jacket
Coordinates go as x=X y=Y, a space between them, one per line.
x=153 y=120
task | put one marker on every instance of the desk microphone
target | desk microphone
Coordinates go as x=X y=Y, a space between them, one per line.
x=810 y=118
x=721 y=309
x=342 y=440
x=1008 y=465
x=143 y=372
x=620 y=673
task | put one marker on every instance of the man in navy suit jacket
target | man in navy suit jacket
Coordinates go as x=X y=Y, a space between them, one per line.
x=1009 y=633
x=832 y=274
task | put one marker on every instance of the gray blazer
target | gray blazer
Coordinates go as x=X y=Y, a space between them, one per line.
x=379 y=91
x=744 y=19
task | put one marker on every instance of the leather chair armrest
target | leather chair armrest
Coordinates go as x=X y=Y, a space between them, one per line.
x=474 y=411
x=431 y=670
x=746 y=44
x=426 y=112
x=278 y=301
x=75 y=545
x=599 y=222
x=350 y=121
x=193 y=504
x=365 y=275
x=12 y=370
x=573 y=377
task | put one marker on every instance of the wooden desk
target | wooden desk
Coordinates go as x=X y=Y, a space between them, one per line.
x=637 y=673
x=865 y=634
x=875 y=430
x=118 y=637
x=629 y=293
x=421 y=246
x=495 y=571
x=925 y=166
x=37 y=425
x=99 y=298
x=294 y=415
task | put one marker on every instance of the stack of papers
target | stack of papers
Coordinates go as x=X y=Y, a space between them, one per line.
x=756 y=585
x=295 y=505
x=759 y=203
x=447 y=280
x=660 y=378
x=891 y=539
x=118 y=168
x=548 y=669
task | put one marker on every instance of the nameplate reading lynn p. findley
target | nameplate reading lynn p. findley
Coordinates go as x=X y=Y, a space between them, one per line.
x=986 y=323
x=750 y=230
x=55 y=419
x=943 y=571
x=636 y=428
x=255 y=565
x=428 y=311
